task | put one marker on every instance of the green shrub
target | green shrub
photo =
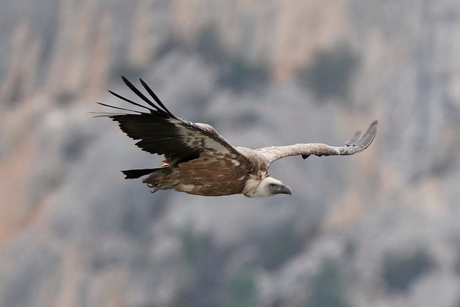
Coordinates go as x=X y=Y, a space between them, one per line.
x=210 y=47
x=327 y=287
x=330 y=73
x=279 y=247
x=242 y=75
x=193 y=245
x=235 y=71
x=400 y=272
x=241 y=290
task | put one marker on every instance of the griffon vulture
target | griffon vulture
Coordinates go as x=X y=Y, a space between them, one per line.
x=199 y=161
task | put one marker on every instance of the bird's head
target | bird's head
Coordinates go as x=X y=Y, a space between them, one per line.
x=269 y=187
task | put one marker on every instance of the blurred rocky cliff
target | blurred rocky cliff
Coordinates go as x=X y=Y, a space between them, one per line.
x=377 y=229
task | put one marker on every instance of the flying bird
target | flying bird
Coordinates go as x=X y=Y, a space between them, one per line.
x=199 y=161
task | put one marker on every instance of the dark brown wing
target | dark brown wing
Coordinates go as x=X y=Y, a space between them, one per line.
x=357 y=144
x=160 y=132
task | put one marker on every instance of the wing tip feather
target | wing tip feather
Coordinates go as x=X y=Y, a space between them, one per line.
x=360 y=142
x=157 y=108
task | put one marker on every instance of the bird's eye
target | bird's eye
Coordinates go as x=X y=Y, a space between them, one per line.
x=272 y=185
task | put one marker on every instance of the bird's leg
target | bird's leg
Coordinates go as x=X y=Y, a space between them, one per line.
x=153 y=188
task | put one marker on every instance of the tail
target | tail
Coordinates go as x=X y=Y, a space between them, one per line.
x=136 y=173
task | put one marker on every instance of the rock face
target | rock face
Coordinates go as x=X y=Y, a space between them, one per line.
x=379 y=228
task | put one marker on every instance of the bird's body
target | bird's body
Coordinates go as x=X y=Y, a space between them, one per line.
x=199 y=161
x=199 y=176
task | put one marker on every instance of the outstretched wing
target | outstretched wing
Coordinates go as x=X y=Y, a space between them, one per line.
x=357 y=144
x=160 y=132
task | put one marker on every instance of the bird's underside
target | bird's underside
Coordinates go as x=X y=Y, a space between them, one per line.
x=199 y=161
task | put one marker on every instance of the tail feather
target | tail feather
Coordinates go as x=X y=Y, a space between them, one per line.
x=136 y=173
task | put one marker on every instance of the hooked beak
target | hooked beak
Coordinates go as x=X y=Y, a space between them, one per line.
x=284 y=190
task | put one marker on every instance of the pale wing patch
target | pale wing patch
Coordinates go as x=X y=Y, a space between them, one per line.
x=186 y=187
x=210 y=143
x=235 y=162
x=192 y=137
x=193 y=140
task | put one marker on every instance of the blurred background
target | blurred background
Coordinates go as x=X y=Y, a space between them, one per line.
x=380 y=228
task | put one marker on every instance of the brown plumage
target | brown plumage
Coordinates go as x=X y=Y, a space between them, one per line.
x=199 y=161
